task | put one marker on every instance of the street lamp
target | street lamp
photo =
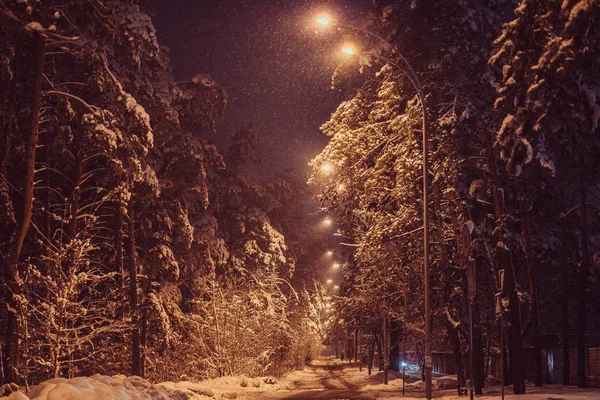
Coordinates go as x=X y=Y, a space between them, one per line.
x=329 y=253
x=414 y=80
x=336 y=265
x=329 y=281
x=326 y=168
x=327 y=221
x=336 y=287
x=403 y=365
x=349 y=49
x=323 y=20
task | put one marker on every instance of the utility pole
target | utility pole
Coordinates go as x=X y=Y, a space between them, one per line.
x=428 y=363
x=471 y=300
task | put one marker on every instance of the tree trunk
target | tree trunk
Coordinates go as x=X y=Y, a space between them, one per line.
x=133 y=295
x=517 y=367
x=583 y=271
x=148 y=279
x=75 y=193
x=456 y=349
x=394 y=347
x=11 y=110
x=13 y=281
x=386 y=351
x=451 y=329
x=379 y=352
x=46 y=197
x=517 y=363
x=493 y=171
x=355 y=346
x=144 y=334
x=478 y=367
x=371 y=354
x=360 y=353
x=564 y=268
x=348 y=346
x=119 y=255
x=535 y=324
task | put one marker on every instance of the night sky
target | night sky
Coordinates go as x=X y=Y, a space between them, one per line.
x=271 y=61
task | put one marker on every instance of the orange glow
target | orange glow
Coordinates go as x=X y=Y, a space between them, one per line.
x=341 y=187
x=336 y=287
x=327 y=221
x=326 y=168
x=349 y=49
x=330 y=253
x=336 y=265
x=324 y=20
x=329 y=280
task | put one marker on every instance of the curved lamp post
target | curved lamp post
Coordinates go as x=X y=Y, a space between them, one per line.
x=325 y=20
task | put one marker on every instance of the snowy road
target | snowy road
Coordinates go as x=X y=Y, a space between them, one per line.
x=331 y=386
x=331 y=381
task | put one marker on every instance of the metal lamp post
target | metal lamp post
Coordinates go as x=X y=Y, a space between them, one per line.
x=414 y=80
x=403 y=375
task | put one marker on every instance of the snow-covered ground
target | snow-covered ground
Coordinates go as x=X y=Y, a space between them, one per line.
x=324 y=377
x=97 y=387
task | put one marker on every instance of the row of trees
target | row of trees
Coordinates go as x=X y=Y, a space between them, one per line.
x=513 y=173
x=129 y=242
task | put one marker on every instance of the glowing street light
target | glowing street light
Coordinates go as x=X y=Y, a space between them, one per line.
x=327 y=221
x=349 y=49
x=329 y=281
x=336 y=265
x=336 y=287
x=329 y=253
x=323 y=20
x=341 y=187
x=326 y=168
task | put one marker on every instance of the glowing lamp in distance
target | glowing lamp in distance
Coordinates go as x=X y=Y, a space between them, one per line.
x=349 y=50
x=323 y=20
x=326 y=168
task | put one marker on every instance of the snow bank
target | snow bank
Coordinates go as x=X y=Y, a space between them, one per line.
x=228 y=385
x=191 y=389
x=100 y=387
x=439 y=383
